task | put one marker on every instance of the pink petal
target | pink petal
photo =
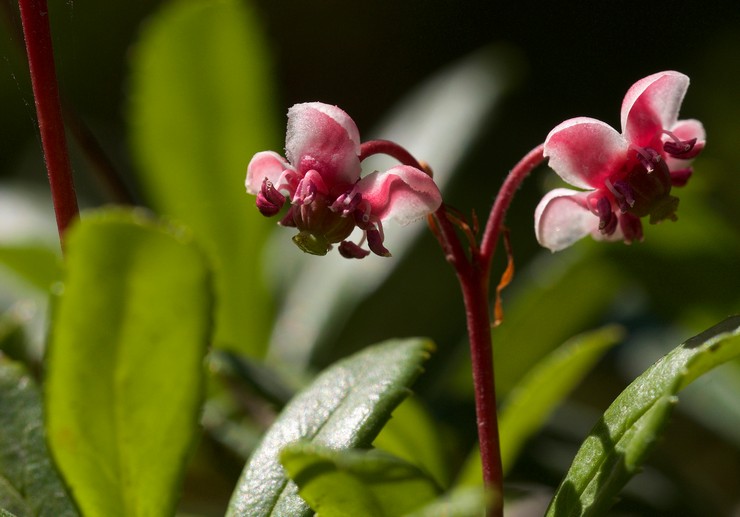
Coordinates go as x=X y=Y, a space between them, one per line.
x=651 y=105
x=561 y=219
x=688 y=129
x=323 y=138
x=266 y=164
x=402 y=193
x=585 y=151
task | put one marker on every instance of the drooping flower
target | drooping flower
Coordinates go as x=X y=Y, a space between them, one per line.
x=320 y=177
x=625 y=176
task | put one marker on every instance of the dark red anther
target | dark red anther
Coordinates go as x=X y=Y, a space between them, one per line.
x=269 y=199
x=375 y=242
x=351 y=250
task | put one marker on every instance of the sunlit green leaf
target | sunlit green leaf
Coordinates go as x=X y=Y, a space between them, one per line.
x=37 y=265
x=412 y=434
x=345 y=407
x=201 y=106
x=29 y=483
x=125 y=365
x=534 y=398
x=356 y=482
x=625 y=434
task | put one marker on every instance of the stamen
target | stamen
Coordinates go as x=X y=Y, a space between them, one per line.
x=351 y=250
x=346 y=203
x=607 y=218
x=269 y=200
x=375 y=241
x=627 y=195
x=648 y=157
x=362 y=214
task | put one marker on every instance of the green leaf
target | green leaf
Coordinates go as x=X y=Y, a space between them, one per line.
x=534 y=398
x=535 y=322
x=460 y=502
x=36 y=264
x=625 y=434
x=125 y=365
x=412 y=434
x=356 y=482
x=29 y=483
x=201 y=106
x=345 y=407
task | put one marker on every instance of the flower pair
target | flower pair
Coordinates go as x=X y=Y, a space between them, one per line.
x=627 y=175
x=320 y=177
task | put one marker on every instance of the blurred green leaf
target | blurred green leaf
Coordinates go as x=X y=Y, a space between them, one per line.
x=201 y=106
x=460 y=502
x=557 y=297
x=534 y=398
x=413 y=435
x=620 y=441
x=125 y=365
x=356 y=482
x=345 y=407
x=29 y=483
x=37 y=265
x=259 y=377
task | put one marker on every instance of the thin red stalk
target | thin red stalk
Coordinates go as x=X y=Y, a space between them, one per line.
x=473 y=275
x=37 y=33
x=503 y=200
x=477 y=310
x=473 y=279
x=391 y=149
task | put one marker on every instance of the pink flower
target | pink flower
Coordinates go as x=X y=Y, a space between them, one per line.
x=626 y=176
x=328 y=198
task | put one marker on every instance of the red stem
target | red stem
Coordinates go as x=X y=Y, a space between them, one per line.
x=391 y=149
x=503 y=200
x=37 y=33
x=473 y=274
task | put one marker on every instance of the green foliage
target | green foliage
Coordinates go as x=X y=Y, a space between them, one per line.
x=29 y=483
x=413 y=434
x=201 y=106
x=461 y=502
x=125 y=365
x=345 y=407
x=37 y=265
x=622 y=438
x=371 y=483
x=558 y=297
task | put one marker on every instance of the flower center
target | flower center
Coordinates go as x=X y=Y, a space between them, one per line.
x=645 y=189
x=319 y=226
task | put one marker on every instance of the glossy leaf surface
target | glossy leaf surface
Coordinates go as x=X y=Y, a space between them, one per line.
x=29 y=483
x=345 y=407
x=622 y=438
x=356 y=482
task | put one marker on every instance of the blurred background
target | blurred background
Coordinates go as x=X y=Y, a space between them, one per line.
x=470 y=87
